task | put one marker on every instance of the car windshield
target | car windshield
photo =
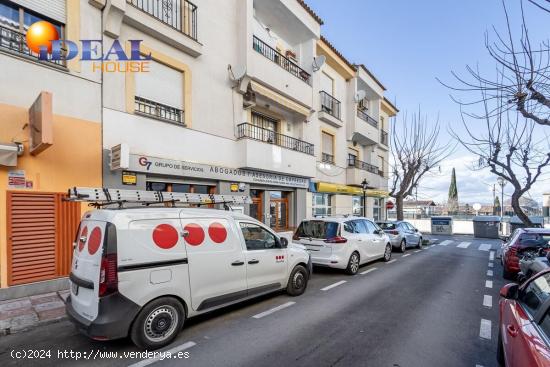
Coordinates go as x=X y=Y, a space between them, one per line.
x=317 y=229
x=385 y=225
x=534 y=239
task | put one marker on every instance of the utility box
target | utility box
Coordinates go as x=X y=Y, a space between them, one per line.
x=486 y=226
x=515 y=223
x=442 y=225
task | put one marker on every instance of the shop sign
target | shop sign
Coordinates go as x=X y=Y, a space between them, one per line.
x=16 y=179
x=129 y=178
x=141 y=163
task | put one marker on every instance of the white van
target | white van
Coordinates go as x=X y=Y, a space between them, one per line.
x=142 y=272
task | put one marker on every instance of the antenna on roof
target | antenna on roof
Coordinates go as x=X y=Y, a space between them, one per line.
x=318 y=62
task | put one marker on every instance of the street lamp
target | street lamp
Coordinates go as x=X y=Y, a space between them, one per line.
x=364 y=186
x=502 y=183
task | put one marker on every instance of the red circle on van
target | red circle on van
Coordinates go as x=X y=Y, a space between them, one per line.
x=196 y=234
x=217 y=232
x=81 y=243
x=165 y=236
x=94 y=241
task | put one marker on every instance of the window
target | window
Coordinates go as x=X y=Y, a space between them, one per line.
x=371 y=227
x=264 y=121
x=322 y=204
x=352 y=159
x=376 y=210
x=258 y=238
x=545 y=324
x=327 y=84
x=317 y=229
x=180 y=187
x=327 y=145
x=534 y=239
x=357 y=205
x=381 y=166
x=536 y=293
x=382 y=126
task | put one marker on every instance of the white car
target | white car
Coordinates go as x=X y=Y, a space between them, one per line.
x=343 y=242
x=142 y=272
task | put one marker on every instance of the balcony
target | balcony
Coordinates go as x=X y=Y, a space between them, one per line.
x=159 y=111
x=362 y=114
x=14 y=41
x=281 y=60
x=384 y=137
x=330 y=109
x=268 y=150
x=356 y=163
x=358 y=171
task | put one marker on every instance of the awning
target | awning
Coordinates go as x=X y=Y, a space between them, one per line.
x=279 y=98
x=331 y=188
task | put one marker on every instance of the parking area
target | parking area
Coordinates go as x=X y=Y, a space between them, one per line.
x=437 y=306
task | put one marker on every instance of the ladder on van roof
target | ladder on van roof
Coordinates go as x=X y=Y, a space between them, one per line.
x=100 y=196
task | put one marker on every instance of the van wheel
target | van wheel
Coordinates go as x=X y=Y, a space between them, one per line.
x=297 y=282
x=353 y=264
x=158 y=323
x=403 y=246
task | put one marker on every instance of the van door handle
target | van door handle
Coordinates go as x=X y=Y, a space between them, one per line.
x=237 y=263
x=254 y=261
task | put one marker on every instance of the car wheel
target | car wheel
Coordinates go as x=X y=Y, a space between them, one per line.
x=500 y=350
x=419 y=243
x=297 y=282
x=158 y=323
x=353 y=264
x=403 y=246
x=387 y=253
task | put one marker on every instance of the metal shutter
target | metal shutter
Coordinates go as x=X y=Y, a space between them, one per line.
x=54 y=9
x=40 y=229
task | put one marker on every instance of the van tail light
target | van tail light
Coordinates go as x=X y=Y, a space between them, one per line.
x=337 y=239
x=393 y=231
x=108 y=275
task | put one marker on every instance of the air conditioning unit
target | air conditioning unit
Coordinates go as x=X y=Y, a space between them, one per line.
x=364 y=104
x=120 y=157
x=249 y=99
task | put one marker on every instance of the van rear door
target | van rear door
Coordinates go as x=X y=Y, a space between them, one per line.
x=86 y=267
x=315 y=235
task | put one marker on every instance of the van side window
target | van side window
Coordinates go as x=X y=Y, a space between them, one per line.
x=257 y=238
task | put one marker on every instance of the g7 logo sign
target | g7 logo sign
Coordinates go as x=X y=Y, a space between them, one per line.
x=144 y=162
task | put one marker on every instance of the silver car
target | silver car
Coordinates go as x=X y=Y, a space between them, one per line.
x=402 y=234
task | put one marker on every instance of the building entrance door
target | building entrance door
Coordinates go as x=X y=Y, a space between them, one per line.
x=257 y=204
x=278 y=210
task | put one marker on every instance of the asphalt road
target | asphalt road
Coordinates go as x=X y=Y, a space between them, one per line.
x=435 y=307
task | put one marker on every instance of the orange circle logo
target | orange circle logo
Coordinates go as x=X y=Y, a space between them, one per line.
x=41 y=34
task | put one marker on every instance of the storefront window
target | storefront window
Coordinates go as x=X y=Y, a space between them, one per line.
x=357 y=205
x=157 y=186
x=181 y=188
x=376 y=209
x=322 y=204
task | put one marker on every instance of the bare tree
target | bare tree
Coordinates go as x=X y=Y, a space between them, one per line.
x=415 y=152
x=541 y=4
x=523 y=79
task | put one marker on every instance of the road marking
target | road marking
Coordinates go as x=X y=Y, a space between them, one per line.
x=434 y=239
x=406 y=255
x=445 y=243
x=463 y=244
x=491 y=265
x=391 y=261
x=417 y=251
x=333 y=285
x=487 y=301
x=491 y=255
x=368 y=271
x=489 y=273
x=485 y=329
x=172 y=351
x=489 y=284
x=484 y=247
x=274 y=309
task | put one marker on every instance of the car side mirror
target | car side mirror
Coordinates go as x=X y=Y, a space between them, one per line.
x=378 y=231
x=283 y=242
x=509 y=291
x=416 y=229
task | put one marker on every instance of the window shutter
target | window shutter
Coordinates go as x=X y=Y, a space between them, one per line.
x=161 y=84
x=327 y=143
x=54 y=9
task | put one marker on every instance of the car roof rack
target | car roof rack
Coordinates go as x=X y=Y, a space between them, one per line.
x=99 y=197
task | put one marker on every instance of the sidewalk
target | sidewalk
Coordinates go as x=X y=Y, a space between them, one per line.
x=23 y=313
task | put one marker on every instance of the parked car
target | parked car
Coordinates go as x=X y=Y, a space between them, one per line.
x=521 y=239
x=524 y=327
x=532 y=261
x=143 y=272
x=402 y=234
x=343 y=242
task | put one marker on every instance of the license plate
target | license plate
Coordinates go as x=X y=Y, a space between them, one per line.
x=75 y=289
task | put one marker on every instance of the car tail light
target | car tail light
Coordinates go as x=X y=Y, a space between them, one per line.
x=337 y=239
x=512 y=255
x=108 y=275
x=393 y=231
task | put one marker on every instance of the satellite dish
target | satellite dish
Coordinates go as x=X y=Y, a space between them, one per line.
x=359 y=96
x=237 y=73
x=318 y=62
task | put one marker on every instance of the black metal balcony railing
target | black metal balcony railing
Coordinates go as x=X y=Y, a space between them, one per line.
x=279 y=59
x=365 y=117
x=327 y=158
x=246 y=130
x=383 y=137
x=159 y=110
x=354 y=162
x=330 y=104
x=16 y=41
x=178 y=14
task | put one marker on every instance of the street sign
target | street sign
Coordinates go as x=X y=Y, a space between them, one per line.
x=389 y=205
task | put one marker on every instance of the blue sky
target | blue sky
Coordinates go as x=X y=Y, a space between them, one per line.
x=407 y=44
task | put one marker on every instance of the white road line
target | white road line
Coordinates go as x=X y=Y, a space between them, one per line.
x=488 y=284
x=406 y=255
x=445 y=243
x=333 y=285
x=417 y=251
x=491 y=255
x=368 y=271
x=478 y=365
x=489 y=273
x=434 y=239
x=491 y=265
x=485 y=329
x=162 y=354
x=274 y=309
x=391 y=261
x=487 y=301
x=484 y=247
x=463 y=244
